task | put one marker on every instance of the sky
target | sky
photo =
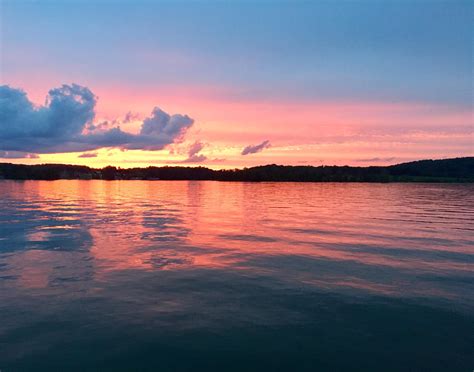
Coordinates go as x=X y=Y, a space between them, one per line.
x=227 y=84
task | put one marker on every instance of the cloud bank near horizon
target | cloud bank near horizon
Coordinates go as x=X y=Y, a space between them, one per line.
x=65 y=124
x=17 y=155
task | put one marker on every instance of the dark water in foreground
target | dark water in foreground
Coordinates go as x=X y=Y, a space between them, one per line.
x=133 y=275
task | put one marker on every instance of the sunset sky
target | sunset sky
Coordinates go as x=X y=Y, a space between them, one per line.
x=235 y=83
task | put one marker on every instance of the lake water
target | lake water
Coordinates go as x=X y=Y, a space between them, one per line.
x=164 y=275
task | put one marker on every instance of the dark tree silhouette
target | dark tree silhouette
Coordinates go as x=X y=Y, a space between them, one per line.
x=446 y=170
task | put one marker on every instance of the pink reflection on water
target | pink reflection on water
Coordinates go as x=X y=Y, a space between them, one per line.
x=371 y=237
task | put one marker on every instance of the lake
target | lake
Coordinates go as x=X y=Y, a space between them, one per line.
x=178 y=275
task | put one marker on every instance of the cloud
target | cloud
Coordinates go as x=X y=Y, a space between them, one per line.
x=17 y=155
x=195 y=159
x=88 y=155
x=102 y=126
x=195 y=148
x=66 y=124
x=161 y=127
x=193 y=153
x=369 y=160
x=131 y=116
x=252 y=149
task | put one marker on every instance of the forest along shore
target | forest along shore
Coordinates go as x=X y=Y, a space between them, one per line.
x=445 y=170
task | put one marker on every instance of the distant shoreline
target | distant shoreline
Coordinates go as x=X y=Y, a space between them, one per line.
x=444 y=170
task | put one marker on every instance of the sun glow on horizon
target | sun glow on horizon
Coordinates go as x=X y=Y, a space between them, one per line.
x=313 y=92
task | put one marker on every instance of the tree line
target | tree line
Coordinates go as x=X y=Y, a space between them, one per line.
x=445 y=170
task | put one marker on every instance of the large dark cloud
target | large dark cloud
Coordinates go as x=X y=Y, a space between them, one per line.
x=252 y=149
x=65 y=124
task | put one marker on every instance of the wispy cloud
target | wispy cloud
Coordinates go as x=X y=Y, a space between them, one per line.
x=376 y=159
x=88 y=155
x=193 y=153
x=17 y=155
x=252 y=149
x=131 y=116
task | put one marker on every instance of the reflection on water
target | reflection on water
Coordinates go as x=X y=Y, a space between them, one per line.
x=208 y=275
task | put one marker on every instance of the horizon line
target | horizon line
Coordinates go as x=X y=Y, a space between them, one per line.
x=238 y=168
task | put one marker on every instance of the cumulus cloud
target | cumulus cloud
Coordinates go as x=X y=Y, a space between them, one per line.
x=193 y=153
x=66 y=124
x=161 y=127
x=252 y=149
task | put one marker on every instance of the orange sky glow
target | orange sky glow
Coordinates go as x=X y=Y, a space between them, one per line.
x=301 y=133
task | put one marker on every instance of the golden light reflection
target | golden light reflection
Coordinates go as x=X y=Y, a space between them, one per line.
x=323 y=235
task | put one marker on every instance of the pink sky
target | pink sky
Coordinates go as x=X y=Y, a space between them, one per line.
x=306 y=83
x=300 y=132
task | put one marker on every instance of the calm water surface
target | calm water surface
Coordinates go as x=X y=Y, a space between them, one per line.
x=135 y=275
